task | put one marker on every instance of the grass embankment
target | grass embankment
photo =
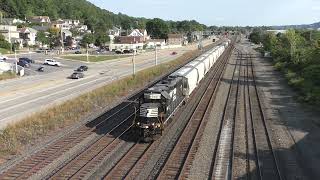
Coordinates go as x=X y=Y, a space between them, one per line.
x=4 y=51
x=95 y=58
x=7 y=75
x=15 y=137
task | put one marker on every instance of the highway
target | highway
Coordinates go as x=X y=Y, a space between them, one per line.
x=24 y=96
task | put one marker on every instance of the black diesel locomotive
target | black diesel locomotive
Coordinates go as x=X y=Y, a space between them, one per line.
x=158 y=103
x=156 y=106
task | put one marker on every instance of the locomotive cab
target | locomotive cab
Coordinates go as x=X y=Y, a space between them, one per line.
x=156 y=105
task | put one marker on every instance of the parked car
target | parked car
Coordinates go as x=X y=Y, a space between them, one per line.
x=23 y=63
x=26 y=59
x=51 y=62
x=78 y=52
x=174 y=53
x=2 y=57
x=82 y=68
x=77 y=75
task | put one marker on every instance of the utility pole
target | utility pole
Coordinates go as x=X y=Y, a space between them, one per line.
x=10 y=38
x=62 y=44
x=134 y=63
x=16 y=61
x=87 y=53
x=156 y=55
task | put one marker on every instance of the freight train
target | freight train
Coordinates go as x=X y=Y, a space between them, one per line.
x=159 y=102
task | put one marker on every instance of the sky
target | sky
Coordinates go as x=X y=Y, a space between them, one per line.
x=221 y=12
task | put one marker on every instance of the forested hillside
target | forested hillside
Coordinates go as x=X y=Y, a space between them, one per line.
x=91 y=15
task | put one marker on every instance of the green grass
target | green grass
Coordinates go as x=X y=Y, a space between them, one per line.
x=4 y=51
x=7 y=75
x=15 y=137
x=95 y=58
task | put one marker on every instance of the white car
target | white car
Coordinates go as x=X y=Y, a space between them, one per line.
x=51 y=62
x=2 y=57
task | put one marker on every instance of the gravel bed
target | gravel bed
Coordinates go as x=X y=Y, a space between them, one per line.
x=240 y=138
x=203 y=159
x=293 y=127
x=171 y=135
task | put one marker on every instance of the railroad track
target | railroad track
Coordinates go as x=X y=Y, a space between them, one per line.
x=105 y=124
x=243 y=93
x=39 y=160
x=133 y=162
x=181 y=158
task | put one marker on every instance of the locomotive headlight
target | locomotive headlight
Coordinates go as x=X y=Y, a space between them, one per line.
x=153 y=124
x=138 y=123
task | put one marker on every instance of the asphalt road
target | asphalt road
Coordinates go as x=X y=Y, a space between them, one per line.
x=23 y=96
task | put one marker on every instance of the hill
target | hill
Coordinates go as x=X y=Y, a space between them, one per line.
x=96 y=18
x=303 y=26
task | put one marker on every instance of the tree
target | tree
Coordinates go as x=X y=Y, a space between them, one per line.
x=42 y=37
x=87 y=39
x=101 y=39
x=158 y=28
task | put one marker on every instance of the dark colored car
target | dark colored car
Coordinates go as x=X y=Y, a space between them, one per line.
x=78 y=52
x=82 y=68
x=77 y=75
x=23 y=63
x=174 y=53
x=26 y=59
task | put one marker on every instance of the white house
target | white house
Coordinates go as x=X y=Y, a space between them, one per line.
x=28 y=35
x=10 y=33
x=140 y=33
x=39 y=19
x=160 y=43
x=10 y=21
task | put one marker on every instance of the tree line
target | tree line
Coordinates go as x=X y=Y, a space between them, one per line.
x=97 y=19
x=297 y=54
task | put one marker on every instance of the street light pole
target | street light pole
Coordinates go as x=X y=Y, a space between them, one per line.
x=134 y=63
x=87 y=53
x=156 y=55
x=16 y=61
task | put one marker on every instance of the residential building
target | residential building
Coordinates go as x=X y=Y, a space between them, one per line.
x=28 y=35
x=139 y=33
x=175 y=39
x=65 y=24
x=129 y=39
x=66 y=33
x=10 y=33
x=41 y=28
x=115 y=31
x=127 y=43
x=152 y=43
x=39 y=19
x=10 y=21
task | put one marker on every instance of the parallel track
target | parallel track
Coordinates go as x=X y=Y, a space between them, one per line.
x=31 y=165
x=133 y=162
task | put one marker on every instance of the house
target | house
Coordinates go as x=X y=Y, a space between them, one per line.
x=10 y=33
x=175 y=40
x=66 y=33
x=28 y=35
x=41 y=28
x=127 y=43
x=152 y=43
x=130 y=39
x=139 y=33
x=65 y=24
x=10 y=21
x=39 y=19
